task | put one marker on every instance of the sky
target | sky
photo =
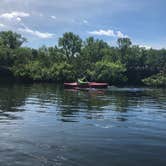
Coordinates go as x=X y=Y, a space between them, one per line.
x=42 y=22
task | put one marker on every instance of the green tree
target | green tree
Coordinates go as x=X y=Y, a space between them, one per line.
x=124 y=44
x=157 y=80
x=62 y=72
x=11 y=39
x=113 y=73
x=74 y=58
x=70 y=44
x=22 y=55
x=93 y=49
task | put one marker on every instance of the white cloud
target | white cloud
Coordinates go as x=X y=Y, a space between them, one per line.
x=43 y=35
x=18 y=19
x=109 y=32
x=145 y=46
x=53 y=17
x=101 y=32
x=1 y=25
x=85 y=21
x=120 y=34
x=14 y=15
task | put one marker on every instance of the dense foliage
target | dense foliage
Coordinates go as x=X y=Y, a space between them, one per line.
x=73 y=58
x=157 y=80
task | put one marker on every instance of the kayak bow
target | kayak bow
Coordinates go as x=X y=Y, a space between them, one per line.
x=87 y=85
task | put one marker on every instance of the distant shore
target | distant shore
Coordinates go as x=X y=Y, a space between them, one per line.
x=73 y=58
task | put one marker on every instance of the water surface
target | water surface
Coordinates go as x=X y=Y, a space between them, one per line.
x=44 y=124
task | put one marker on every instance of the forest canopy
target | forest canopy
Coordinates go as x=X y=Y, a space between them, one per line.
x=72 y=58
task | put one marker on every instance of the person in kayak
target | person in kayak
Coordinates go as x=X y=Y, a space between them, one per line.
x=82 y=81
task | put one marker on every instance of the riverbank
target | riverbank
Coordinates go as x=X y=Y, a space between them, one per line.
x=73 y=58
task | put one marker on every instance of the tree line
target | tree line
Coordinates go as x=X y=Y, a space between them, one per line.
x=72 y=58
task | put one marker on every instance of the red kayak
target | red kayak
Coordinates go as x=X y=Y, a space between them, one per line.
x=85 y=85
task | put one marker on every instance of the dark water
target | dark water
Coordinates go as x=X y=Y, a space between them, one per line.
x=45 y=125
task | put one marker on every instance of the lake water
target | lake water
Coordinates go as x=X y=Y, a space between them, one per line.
x=46 y=125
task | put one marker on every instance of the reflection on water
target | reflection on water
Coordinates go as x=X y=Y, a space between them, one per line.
x=44 y=124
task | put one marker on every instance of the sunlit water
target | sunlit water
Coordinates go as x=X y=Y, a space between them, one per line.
x=46 y=125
